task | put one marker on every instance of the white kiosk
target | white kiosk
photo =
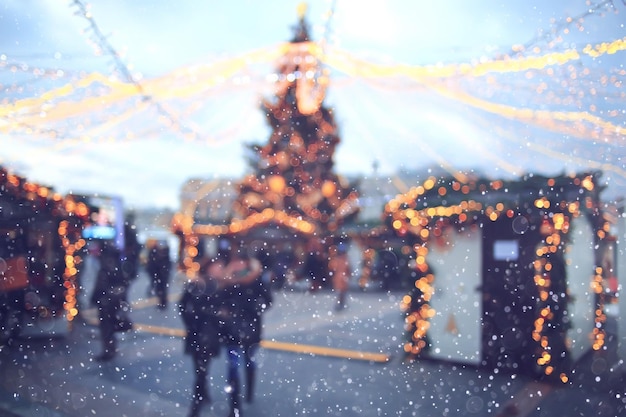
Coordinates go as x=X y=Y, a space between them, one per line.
x=513 y=273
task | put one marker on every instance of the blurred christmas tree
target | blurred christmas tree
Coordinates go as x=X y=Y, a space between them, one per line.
x=292 y=174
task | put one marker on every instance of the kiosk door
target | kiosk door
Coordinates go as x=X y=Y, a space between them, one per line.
x=579 y=266
x=509 y=294
x=455 y=330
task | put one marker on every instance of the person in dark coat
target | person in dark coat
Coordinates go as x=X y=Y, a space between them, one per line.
x=159 y=266
x=339 y=269
x=210 y=312
x=316 y=265
x=132 y=249
x=109 y=295
x=245 y=302
x=199 y=305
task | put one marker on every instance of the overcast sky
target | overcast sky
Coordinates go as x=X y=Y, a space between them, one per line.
x=399 y=121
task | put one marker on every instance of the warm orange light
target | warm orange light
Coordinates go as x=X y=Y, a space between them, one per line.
x=276 y=183
x=328 y=189
x=588 y=183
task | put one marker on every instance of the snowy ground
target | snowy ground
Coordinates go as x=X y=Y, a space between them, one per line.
x=297 y=376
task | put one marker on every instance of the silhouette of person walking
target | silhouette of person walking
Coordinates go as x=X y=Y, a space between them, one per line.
x=159 y=266
x=245 y=303
x=109 y=295
x=315 y=264
x=199 y=305
x=339 y=269
x=214 y=312
x=132 y=249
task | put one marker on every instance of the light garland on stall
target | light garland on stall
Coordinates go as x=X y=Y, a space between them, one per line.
x=73 y=243
x=192 y=232
x=553 y=230
x=417 y=321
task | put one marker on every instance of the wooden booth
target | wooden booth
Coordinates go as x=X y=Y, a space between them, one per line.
x=508 y=273
x=39 y=255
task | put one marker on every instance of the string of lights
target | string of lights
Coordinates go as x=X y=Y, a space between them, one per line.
x=340 y=60
x=103 y=43
x=564 y=25
x=93 y=108
x=121 y=91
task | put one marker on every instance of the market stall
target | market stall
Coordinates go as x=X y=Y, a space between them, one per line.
x=508 y=273
x=40 y=244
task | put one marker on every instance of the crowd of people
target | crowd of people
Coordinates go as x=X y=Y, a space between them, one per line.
x=221 y=309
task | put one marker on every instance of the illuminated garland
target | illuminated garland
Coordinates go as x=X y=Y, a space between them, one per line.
x=416 y=306
x=29 y=115
x=347 y=63
x=553 y=230
x=70 y=233
x=256 y=219
x=96 y=92
x=192 y=232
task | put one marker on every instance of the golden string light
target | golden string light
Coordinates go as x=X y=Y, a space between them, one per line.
x=348 y=63
x=564 y=25
x=509 y=137
x=590 y=163
x=72 y=245
x=103 y=44
x=579 y=124
x=189 y=82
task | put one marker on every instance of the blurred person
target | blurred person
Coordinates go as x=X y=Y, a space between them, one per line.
x=315 y=265
x=282 y=264
x=159 y=267
x=339 y=271
x=132 y=249
x=109 y=296
x=199 y=305
x=248 y=296
x=214 y=313
x=387 y=269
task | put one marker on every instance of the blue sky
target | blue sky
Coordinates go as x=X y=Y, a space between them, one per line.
x=397 y=121
x=161 y=35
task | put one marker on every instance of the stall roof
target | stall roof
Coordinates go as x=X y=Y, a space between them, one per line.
x=448 y=191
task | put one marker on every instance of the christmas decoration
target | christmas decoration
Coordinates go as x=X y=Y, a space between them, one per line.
x=293 y=183
x=557 y=98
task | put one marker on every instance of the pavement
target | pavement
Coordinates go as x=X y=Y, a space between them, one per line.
x=313 y=361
